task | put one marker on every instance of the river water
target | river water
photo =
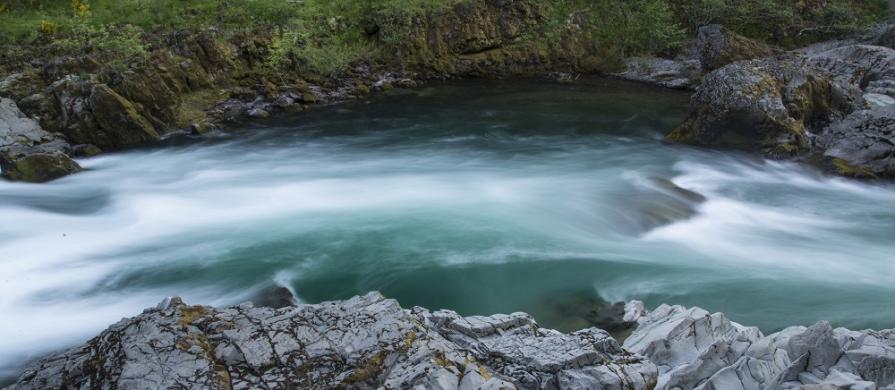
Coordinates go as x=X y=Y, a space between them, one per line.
x=479 y=197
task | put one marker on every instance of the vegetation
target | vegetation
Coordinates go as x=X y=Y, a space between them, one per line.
x=324 y=37
x=783 y=22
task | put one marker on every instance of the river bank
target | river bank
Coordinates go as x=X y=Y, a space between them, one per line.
x=432 y=195
x=371 y=342
x=82 y=92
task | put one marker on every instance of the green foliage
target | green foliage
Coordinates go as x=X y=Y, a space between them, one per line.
x=326 y=36
x=111 y=43
x=638 y=26
x=619 y=27
x=785 y=22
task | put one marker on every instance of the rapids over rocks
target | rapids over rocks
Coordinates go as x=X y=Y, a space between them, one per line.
x=479 y=197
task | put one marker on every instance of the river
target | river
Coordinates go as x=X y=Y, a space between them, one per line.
x=480 y=197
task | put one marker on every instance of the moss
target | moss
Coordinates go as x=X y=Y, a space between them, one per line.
x=189 y=314
x=370 y=370
x=484 y=373
x=845 y=169
x=441 y=360
x=409 y=338
x=38 y=168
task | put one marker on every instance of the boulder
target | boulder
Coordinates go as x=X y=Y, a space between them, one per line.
x=768 y=105
x=38 y=163
x=17 y=129
x=28 y=152
x=863 y=144
x=718 y=46
x=697 y=350
x=855 y=64
x=363 y=342
x=689 y=346
x=93 y=113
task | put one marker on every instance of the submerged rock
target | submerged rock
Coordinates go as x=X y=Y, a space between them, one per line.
x=364 y=342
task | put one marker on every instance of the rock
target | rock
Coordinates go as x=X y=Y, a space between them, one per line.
x=767 y=105
x=863 y=144
x=258 y=113
x=856 y=65
x=28 y=152
x=690 y=345
x=276 y=297
x=17 y=129
x=92 y=113
x=364 y=342
x=19 y=85
x=718 y=47
x=85 y=150
x=34 y=167
x=676 y=74
x=878 y=100
x=695 y=349
x=122 y=124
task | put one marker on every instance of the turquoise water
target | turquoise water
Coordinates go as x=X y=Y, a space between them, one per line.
x=479 y=197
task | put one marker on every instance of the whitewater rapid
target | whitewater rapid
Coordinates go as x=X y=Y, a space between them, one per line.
x=513 y=197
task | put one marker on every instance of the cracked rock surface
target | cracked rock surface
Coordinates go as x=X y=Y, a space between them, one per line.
x=694 y=349
x=364 y=342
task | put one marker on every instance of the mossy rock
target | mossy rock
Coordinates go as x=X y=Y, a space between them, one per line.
x=119 y=120
x=38 y=168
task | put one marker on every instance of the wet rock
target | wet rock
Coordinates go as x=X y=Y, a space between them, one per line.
x=718 y=46
x=863 y=144
x=276 y=297
x=363 y=342
x=85 y=150
x=34 y=166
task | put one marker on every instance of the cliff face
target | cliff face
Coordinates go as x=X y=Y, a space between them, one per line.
x=371 y=342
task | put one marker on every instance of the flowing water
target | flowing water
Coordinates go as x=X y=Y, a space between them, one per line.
x=479 y=197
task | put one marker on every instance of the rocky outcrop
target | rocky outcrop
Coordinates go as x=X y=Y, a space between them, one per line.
x=826 y=103
x=863 y=144
x=718 y=46
x=363 y=342
x=768 y=105
x=697 y=350
x=28 y=152
x=37 y=164
x=93 y=113
x=371 y=342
